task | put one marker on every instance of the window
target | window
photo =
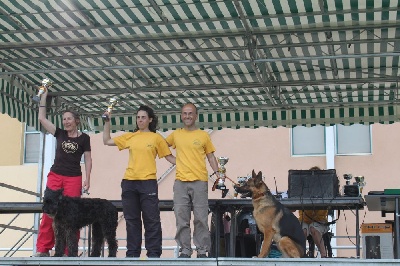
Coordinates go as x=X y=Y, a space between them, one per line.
x=349 y=140
x=354 y=139
x=308 y=140
x=32 y=145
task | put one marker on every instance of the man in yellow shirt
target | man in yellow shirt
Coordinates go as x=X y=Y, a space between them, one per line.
x=191 y=185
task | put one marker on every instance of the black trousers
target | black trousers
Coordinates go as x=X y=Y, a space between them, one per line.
x=140 y=200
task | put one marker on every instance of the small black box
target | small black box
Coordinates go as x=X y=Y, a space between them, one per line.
x=313 y=184
x=351 y=190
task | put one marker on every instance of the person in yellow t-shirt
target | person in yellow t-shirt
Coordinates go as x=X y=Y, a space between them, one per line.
x=139 y=184
x=314 y=223
x=192 y=146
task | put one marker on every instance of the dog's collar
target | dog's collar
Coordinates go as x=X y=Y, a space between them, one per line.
x=258 y=195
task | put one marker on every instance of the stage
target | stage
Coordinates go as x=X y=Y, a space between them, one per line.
x=193 y=262
x=219 y=206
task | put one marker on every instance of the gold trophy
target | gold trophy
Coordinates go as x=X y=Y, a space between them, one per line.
x=111 y=103
x=46 y=83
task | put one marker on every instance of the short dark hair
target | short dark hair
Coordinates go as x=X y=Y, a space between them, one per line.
x=153 y=126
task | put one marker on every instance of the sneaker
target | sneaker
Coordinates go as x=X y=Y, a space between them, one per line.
x=202 y=256
x=42 y=254
x=183 y=255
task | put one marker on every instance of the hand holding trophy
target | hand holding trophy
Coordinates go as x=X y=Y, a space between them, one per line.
x=46 y=83
x=111 y=103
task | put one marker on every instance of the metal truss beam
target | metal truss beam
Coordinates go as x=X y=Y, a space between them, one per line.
x=195 y=50
x=188 y=64
x=195 y=35
x=184 y=21
x=249 y=85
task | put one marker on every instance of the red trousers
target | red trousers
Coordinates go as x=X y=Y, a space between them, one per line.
x=72 y=187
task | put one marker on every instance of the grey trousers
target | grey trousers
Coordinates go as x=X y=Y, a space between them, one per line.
x=187 y=195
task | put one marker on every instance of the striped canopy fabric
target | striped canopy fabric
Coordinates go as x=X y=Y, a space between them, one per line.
x=243 y=63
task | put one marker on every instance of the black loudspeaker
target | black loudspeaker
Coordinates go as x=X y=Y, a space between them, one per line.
x=313 y=184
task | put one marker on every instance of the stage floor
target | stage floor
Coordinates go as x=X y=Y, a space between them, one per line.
x=193 y=262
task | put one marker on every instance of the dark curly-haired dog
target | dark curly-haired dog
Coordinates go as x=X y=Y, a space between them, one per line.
x=71 y=214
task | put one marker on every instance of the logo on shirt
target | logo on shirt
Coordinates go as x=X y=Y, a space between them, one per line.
x=197 y=142
x=149 y=145
x=69 y=147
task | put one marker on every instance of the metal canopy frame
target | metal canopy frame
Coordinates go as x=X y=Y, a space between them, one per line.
x=283 y=59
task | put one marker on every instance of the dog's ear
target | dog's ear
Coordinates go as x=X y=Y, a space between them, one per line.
x=259 y=177
x=253 y=174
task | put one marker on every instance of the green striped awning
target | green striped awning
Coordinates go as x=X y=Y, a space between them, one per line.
x=244 y=63
x=235 y=120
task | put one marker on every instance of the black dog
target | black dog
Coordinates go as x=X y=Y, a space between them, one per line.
x=71 y=214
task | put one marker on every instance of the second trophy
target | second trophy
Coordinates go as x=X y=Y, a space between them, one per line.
x=111 y=103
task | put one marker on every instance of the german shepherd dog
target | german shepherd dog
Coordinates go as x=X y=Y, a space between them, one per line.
x=274 y=220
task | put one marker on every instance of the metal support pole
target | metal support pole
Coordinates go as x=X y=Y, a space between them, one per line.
x=39 y=187
x=89 y=240
x=396 y=229
x=357 y=233
x=218 y=219
x=232 y=235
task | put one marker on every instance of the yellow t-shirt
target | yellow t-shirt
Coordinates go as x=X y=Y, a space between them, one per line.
x=191 y=146
x=310 y=216
x=143 y=149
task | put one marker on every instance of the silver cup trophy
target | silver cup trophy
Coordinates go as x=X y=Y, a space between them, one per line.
x=46 y=83
x=360 y=180
x=111 y=103
x=221 y=172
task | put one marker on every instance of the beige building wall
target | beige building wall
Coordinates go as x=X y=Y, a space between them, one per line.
x=24 y=177
x=11 y=140
x=263 y=149
x=13 y=173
